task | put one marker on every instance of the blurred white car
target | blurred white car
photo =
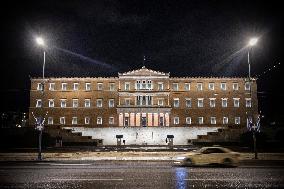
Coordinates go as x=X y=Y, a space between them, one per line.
x=209 y=155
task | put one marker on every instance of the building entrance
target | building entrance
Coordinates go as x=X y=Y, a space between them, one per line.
x=161 y=121
x=143 y=121
x=126 y=121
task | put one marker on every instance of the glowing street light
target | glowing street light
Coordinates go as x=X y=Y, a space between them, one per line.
x=40 y=41
x=253 y=41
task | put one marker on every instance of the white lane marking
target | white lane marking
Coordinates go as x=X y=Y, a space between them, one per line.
x=215 y=179
x=94 y=179
x=68 y=164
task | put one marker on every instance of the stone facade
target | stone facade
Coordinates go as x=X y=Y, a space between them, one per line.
x=144 y=98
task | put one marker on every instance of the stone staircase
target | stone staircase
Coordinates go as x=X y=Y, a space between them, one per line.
x=228 y=134
x=72 y=138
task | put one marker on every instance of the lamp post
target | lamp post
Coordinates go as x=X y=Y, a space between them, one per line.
x=40 y=42
x=252 y=42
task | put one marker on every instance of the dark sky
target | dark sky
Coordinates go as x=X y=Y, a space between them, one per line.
x=185 y=38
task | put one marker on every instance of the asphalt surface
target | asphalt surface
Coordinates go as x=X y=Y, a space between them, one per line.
x=136 y=174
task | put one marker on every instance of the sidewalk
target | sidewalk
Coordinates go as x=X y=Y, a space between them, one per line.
x=114 y=155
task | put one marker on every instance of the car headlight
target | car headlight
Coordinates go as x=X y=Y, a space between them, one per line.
x=180 y=158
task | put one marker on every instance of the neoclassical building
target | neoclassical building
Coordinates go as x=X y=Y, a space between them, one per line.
x=143 y=98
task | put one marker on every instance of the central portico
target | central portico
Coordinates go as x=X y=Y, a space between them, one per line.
x=140 y=103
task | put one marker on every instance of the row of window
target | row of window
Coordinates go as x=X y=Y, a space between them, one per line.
x=213 y=120
x=75 y=103
x=75 y=87
x=146 y=85
x=87 y=120
x=200 y=120
x=212 y=102
x=211 y=86
x=147 y=101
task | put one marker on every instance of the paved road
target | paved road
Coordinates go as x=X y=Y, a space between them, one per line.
x=126 y=174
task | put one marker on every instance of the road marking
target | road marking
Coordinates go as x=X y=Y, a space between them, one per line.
x=68 y=164
x=91 y=179
x=216 y=179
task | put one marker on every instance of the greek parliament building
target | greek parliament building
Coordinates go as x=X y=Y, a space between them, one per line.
x=144 y=106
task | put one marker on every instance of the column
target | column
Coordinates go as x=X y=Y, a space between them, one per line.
x=167 y=119
x=156 y=121
x=150 y=119
x=132 y=119
x=138 y=119
x=120 y=118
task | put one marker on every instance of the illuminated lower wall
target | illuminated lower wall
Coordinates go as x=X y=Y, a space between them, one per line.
x=145 y=135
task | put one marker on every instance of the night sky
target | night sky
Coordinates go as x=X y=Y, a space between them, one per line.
x=101 y=38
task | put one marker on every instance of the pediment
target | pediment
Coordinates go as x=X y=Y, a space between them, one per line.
x=143 y=72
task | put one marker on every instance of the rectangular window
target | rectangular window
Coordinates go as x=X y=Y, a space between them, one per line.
x=62 y=120
x=200 y=102
x=176 y=102
x=138 y=84
x=64 y=86
x=111 y=120
x=87 y=103
x=99 y=120
x=38 y=103
x=63 y=103
x=149 y=84
x=247 y=86
x=212 y=102
x=99 y=86
x=160 y=102
x=87 y=120
x=211 y=86
x=225 y=120
x=74 y=120
x=213 y=120
x=187 y=86
x=75 y=103
x=176 y=120
x=75 y=86
x=188 y=120
x=188 y=102
x=237 y=120
x=235 y=86
x=127 y=86
x=99 y=103
x=199 y=86
x=236 y=102
x=127 y=102
x=87 y=86
x=224 y=102
x=111 y=103
x=50 y=121
x=223 y=86
x=248 y=102
x=39 y=87
x=143 y=84
x=175 y=86
x=51 y=103
x=51 y=86
x=160 y=86
x=200 y=120
x=111 y=87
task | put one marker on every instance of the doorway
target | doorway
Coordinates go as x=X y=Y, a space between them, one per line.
x=161 y=121
x=126 y=121
x=143 y=121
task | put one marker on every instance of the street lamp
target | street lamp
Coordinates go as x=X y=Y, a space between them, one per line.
x=252 y=42
x=40 y=42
